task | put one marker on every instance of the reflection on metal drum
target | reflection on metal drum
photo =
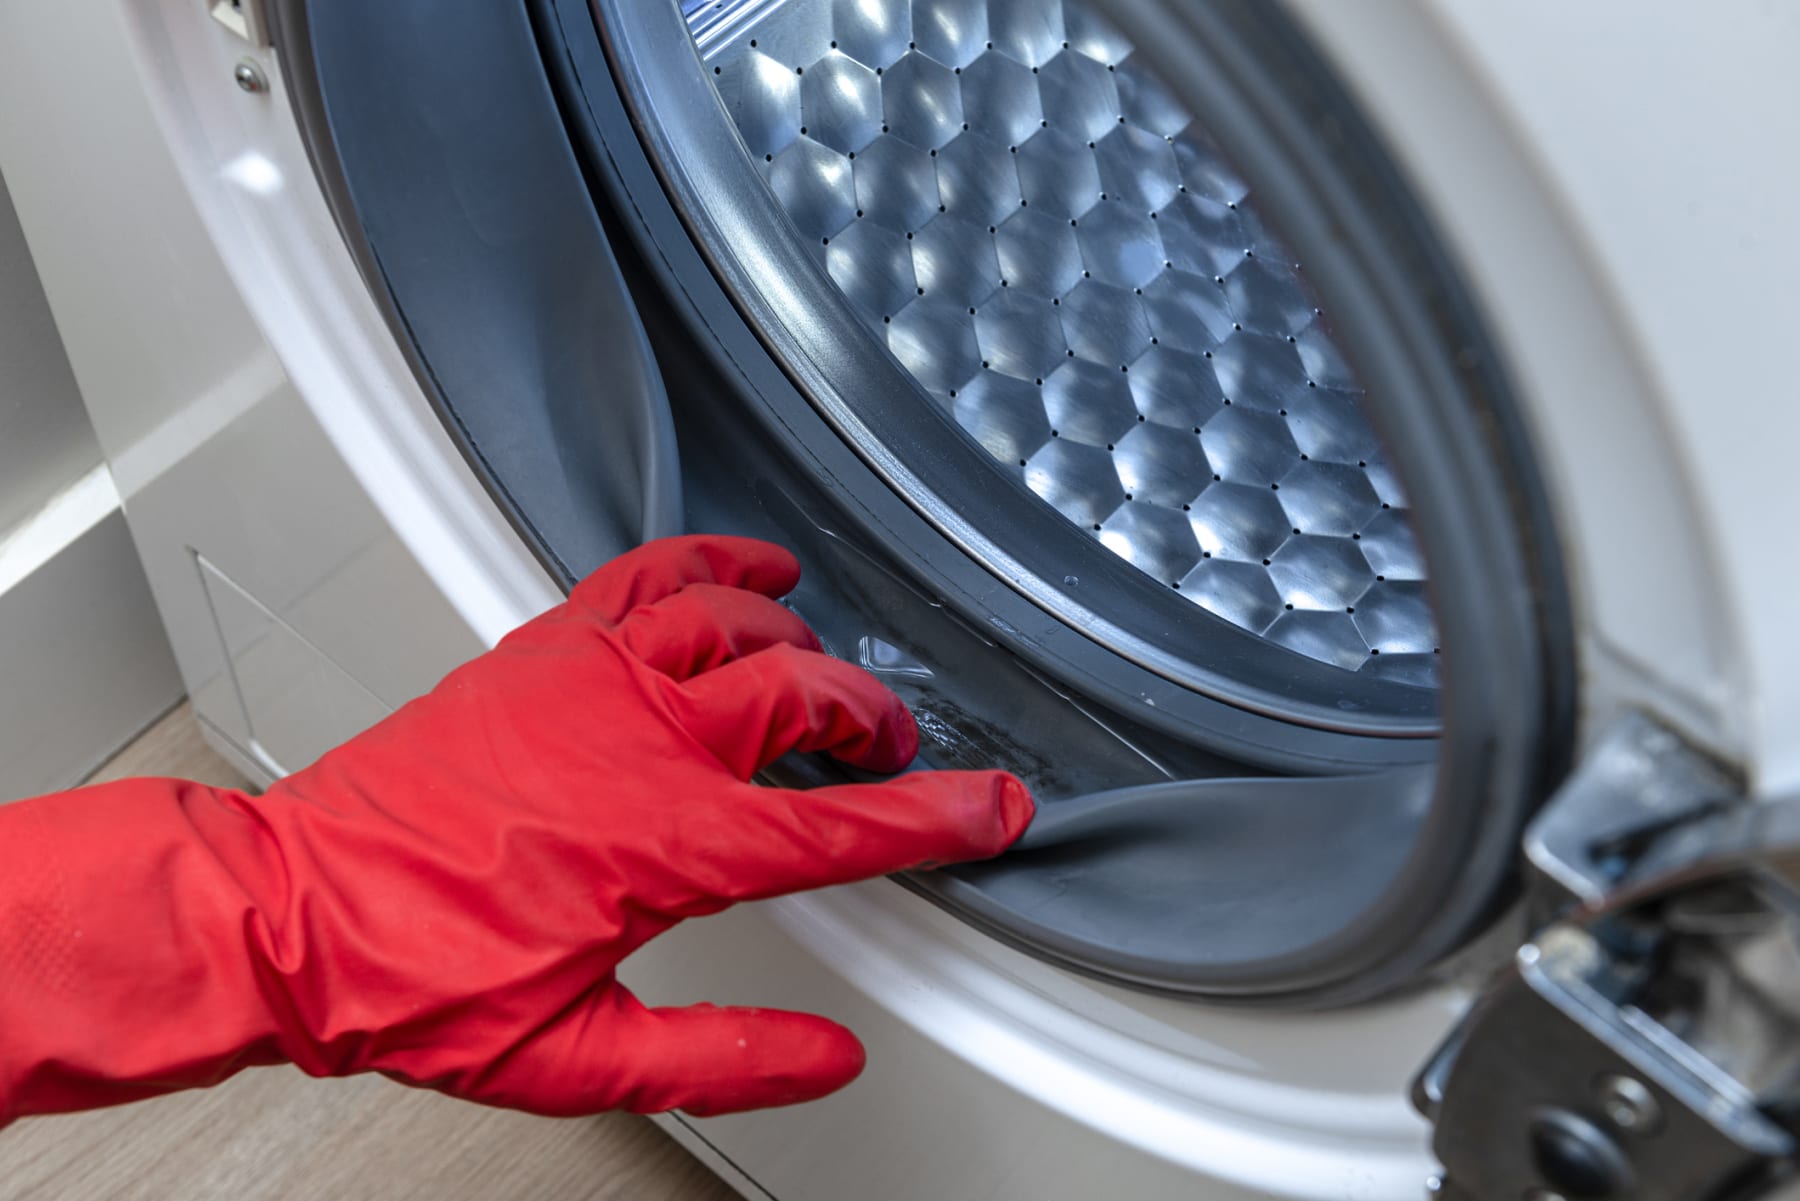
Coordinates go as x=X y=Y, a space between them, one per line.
x=1053 y=248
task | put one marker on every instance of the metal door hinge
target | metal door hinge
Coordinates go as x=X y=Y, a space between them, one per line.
x=1646 y=1042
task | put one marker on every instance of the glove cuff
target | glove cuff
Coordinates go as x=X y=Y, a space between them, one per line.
x=126 y=945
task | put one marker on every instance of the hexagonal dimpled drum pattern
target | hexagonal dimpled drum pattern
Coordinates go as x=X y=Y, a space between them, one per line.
x=1055 y=250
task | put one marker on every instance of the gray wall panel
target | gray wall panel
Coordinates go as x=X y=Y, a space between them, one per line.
x=45 y=440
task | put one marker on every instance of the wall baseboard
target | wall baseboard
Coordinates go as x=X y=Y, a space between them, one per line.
x=84 y=662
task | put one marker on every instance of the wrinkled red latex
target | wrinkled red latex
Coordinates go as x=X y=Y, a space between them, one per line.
x=445 y=897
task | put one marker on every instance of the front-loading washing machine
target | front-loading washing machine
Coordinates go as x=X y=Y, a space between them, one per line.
x=1334 y=454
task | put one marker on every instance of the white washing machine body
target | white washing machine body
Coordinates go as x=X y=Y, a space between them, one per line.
x=1614 y=192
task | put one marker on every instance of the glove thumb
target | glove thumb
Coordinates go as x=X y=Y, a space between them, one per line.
x=706 y=1060
x=611 y=1052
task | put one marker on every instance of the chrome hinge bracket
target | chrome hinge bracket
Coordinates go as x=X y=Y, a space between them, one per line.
x=1646 y=1042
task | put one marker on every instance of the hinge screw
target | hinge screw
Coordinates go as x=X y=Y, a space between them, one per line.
x=1628 y=1104
x=249 y=77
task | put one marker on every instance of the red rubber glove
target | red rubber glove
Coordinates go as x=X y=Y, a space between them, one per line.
x=445 y=897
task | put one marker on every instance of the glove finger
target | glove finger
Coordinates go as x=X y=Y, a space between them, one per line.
x=611 y=1052
x=706 y=625
x=667 y=565
x=780 y=841
x=706 y=1060
x=754 y=710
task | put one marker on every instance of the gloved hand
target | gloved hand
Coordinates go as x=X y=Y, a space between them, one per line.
x=445 y=897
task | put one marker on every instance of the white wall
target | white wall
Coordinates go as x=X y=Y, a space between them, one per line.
x=84 y=664
x=45 y=440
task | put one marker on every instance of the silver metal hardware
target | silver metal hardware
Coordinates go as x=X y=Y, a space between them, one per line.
x=250 y=78
x=1646 y=1042
x=1628 y=1104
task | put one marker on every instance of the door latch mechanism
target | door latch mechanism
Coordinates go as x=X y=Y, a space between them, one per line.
x=1646 y=1042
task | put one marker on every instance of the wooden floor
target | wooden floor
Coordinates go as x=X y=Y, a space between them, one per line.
x=275 y=1133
